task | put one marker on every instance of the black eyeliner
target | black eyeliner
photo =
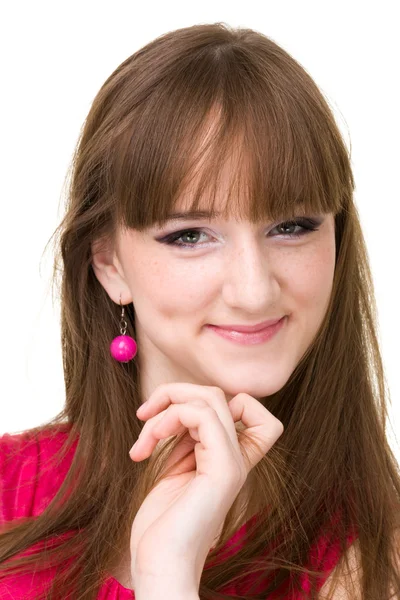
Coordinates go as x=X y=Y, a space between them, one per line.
x=308 y=225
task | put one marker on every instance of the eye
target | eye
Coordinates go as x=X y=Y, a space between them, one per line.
x=304 y=226
x=173 y=238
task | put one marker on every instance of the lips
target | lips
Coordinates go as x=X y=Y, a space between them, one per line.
x=249 y=338
x=249 y=328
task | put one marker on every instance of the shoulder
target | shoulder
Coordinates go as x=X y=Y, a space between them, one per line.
x=346 y=578
x=28 y=475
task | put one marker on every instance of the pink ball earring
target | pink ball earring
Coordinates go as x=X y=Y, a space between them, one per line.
x=123 y=348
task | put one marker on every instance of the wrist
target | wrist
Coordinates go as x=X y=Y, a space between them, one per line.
x=162 y=594
x=159 y=587
x=162 y=590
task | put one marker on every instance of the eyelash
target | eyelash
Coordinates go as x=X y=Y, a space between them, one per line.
x=308 y=226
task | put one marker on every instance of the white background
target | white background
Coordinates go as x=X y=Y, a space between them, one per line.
x=54 y=58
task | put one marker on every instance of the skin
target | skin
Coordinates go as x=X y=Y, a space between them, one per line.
x=239 y=273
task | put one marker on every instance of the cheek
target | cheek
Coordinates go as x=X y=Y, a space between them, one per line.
x=309 y=279
x=176 y=288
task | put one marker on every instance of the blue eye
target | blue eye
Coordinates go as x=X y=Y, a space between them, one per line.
x=304 y=226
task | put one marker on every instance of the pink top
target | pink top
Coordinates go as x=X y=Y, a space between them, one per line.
x=27 y=485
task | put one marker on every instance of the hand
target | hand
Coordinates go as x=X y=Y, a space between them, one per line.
x=179 y=519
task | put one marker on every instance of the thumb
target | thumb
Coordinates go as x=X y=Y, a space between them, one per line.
x=261 y=429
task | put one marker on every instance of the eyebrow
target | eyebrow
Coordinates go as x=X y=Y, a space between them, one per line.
x=201 y=214
x=192 y=215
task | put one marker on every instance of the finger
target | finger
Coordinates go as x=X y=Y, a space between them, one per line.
x=182 y=393
x=143 y=434
x=214 y=453
x=260 y=424
x=149 y=437
x=171 y=393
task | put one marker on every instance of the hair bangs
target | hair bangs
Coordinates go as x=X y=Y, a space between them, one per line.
x=250 y=155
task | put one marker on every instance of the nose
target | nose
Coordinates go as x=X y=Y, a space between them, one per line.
x=250 y=280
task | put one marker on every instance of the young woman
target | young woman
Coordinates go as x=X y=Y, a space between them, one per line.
x=213 y=265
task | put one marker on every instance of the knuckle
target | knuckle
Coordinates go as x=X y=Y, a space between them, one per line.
x=199 y=402
x=163 y=387
x=209 y=411
x=218 y=392
x=244 y=396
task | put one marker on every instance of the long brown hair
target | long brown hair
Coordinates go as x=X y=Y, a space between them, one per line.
x=135 y=156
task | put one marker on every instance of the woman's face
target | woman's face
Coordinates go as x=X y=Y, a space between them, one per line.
x=232 y=273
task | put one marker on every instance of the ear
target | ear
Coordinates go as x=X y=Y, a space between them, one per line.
x=109 y=272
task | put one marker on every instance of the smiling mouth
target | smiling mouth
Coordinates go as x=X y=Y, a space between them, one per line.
x=250 y=328
x=249 y=338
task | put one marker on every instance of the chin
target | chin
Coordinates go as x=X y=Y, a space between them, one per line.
x=256 y=391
